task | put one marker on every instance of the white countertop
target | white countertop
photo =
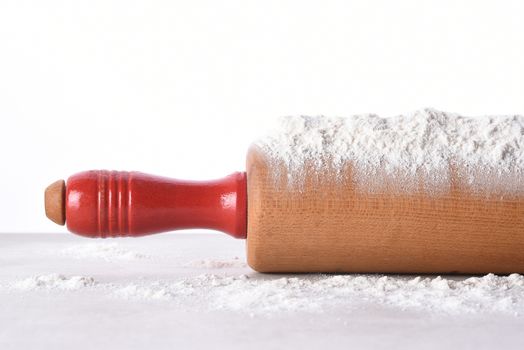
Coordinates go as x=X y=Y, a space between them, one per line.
x=124 y=297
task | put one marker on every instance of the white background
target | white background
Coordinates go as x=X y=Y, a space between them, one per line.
x=181 y=88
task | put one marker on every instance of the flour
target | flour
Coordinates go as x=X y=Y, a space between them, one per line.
x=488 y=294
x=426 y=148
x=269 y=296
x=217 y=263
x=153 y=291
x=52 y=282
x=103 y=251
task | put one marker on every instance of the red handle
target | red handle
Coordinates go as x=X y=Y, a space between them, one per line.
x=104 y=203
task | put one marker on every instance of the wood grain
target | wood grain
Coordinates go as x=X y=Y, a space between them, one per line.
x=331 y=226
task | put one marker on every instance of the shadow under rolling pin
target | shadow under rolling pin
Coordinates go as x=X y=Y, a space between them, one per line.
x=325 y=228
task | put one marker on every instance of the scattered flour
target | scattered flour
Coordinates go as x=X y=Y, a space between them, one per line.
x=52 y=281
x=427 y=148
x=153 y=291
x=104 y=251
x=217 y=264
x=488 y=294
x=310 y=294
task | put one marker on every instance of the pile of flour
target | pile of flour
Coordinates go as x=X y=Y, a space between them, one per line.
x=267 y=296
x=423 y=148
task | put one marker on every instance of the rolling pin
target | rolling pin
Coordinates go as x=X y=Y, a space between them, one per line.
x=328 y=228
x=327 y=224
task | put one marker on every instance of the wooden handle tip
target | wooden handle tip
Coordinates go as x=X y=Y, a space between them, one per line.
x=55 y=202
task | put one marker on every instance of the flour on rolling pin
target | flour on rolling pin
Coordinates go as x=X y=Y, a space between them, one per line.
x=427 y=149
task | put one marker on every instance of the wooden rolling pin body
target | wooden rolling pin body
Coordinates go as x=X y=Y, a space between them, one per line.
x=330 y=226
x=326 y=226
